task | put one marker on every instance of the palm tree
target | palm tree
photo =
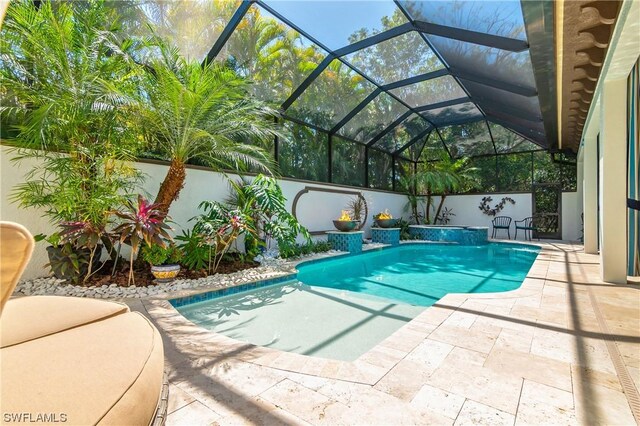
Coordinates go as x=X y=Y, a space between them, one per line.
x=70 y=86
x=203 y=113
x=457 y=175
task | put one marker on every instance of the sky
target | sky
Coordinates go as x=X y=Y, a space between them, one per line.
x=331 y=22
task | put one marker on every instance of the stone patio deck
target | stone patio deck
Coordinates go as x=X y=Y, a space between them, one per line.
x=562 y=349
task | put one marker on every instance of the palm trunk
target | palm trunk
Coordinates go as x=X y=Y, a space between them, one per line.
x=171 y=185
x=427 y=211
x=442 y=197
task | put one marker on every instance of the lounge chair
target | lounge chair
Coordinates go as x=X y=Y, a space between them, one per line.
x=74 y=360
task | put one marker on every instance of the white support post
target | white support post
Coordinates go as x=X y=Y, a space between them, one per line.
x=590 y=193
x=613 y=180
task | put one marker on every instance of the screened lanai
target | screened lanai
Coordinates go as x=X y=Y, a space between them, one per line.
x=370 y=90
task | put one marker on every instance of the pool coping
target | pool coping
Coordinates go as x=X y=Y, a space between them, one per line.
x=367 y=369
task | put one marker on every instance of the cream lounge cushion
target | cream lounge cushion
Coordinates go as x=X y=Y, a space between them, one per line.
x=16 y=247
x=28 y=318
x=105 y=372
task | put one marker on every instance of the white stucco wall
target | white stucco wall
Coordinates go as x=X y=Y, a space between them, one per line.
x=467 y=212
x=315 y=209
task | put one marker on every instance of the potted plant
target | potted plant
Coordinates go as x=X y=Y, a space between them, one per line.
x=345 y=223
x=384 y=220
x=163 y=261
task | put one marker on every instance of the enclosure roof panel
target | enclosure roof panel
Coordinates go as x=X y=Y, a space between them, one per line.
x=359 y=68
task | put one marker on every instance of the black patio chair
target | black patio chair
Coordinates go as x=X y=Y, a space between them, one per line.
x=527 y=226
x=501 y=222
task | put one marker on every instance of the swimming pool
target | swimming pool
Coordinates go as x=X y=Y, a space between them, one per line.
x=340 y=308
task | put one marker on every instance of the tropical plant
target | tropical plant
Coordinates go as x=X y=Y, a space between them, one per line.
x=84 y=235
x=415 y=202
x=202 y=113
x=456 y=175
x=156 y=255
x=357 y=206
x=307 y=248
x=141 y=222
x=263 y=202
x=221 y=227
x=70 y=89
x=194 y=250
x=445 y=216
x=404 y=229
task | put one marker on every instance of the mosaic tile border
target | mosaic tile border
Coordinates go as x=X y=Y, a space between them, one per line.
x=215 y=294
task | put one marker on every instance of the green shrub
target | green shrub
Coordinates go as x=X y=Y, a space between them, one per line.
x=157 y=255
x=194 y=250
x=305 y=249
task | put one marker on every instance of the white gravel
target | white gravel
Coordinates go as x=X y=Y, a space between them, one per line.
x=270 y=268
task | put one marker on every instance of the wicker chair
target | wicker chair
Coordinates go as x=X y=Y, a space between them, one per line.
x=527 y=226
x=501 y=222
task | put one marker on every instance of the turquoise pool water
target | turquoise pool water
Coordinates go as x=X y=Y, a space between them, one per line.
x=421 y=274
x=342 y=307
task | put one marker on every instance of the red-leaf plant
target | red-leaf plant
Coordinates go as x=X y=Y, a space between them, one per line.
x=83 y=234
x=141 y=221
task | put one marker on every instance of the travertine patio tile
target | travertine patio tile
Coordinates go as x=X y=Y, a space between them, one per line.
x=331 y=368
x=479 y=384
x=370 y=406
x=597 y=404
x=549 y=395
x=460 y=319
x=474 y=413
x=404 y=380
x=434 y=315
x=194 y=414
x=629 y=352
x=177 y=399
x=383 y=356
x=446 y=403
x=486 y=327
x=341 y=391
x=601 y=378
x=371 y=372
x=506 y=321
x=313 y=366
x=302 y=402
x=465 y=358
x=187 y=369
x=532 y=367
x=543 y=314
x=554 y=344
x=475 y=340
x=473 y=305
x=225 y=397
x=498 y=309
x=515 y=340
x=532 y=301
x=430 y=353
x=261 y=413
x=403 y=340
x=250 y=379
